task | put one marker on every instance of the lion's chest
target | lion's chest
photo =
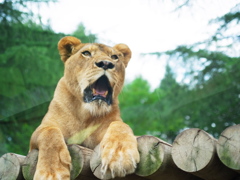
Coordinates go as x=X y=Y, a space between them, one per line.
x=80 y=136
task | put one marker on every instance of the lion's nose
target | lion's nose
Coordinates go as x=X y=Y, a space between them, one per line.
x=105 y=65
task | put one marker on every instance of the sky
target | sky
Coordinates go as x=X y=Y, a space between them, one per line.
x=144 y=25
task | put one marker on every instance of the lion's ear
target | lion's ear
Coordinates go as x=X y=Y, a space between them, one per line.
x=124 y=49
x=66 y=46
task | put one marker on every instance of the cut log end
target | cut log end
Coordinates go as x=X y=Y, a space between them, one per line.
x=30 y=163
x=193 y=149
x=11 y=166
x=228 y=147
x=77 y=160
x=151 y=155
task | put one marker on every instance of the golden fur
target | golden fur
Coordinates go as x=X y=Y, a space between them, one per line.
x=84 y=110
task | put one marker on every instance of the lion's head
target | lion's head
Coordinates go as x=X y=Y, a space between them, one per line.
x=94 y=73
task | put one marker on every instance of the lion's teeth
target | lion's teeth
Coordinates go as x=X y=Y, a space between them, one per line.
x=94 y=91
x=105 y=94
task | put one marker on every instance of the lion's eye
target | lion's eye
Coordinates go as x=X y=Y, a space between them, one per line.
x=86 y=53
x=114 y=57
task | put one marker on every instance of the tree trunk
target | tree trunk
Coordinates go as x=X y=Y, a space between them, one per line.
x=194 y=155
x=10 y=166
x=194 y=151
x=228 y=147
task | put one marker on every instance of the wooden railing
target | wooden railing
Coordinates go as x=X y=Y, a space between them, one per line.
x=194 y=155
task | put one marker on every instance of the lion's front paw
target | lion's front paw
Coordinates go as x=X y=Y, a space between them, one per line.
x=119 y=158
x=53 y=166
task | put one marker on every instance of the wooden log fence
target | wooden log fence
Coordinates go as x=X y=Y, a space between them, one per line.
x=194 y=155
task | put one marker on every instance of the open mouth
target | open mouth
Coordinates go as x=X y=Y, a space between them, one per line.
x=99 y=90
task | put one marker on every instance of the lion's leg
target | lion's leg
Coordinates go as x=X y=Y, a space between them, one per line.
x=54 y=161
x=119 y=151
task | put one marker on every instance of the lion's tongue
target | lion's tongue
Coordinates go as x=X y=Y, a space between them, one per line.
x=100 y=87
x=100 y=92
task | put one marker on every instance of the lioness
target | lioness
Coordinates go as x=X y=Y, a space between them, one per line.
x=85 y=111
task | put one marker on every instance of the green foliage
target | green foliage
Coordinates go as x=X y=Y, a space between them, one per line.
x=135 y=102
x=135 y=95
x=88 y=38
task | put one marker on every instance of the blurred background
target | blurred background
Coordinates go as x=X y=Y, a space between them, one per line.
x=184 y=73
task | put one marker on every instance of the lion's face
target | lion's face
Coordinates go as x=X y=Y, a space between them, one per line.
x=94 y=72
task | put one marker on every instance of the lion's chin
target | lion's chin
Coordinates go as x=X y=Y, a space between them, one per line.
x=98 y=108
